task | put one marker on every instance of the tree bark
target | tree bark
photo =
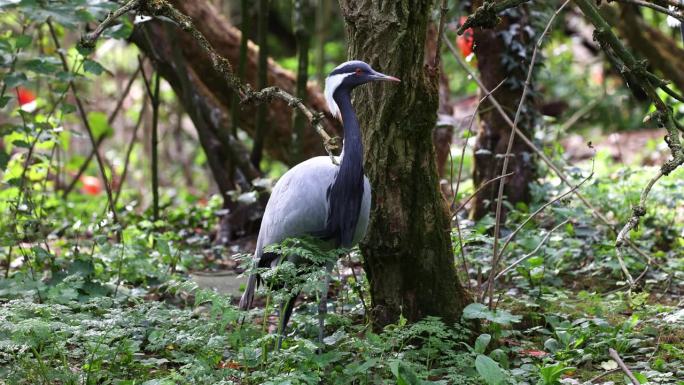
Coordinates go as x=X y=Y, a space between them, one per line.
x=661 y=51
x=407 y=252
x=210 y=119
x=494 y=61
x=225 y=38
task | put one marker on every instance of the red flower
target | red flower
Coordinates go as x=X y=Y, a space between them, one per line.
x=465 y=41
x=27 y=99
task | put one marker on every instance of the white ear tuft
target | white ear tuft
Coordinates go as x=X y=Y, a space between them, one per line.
x=331 y=84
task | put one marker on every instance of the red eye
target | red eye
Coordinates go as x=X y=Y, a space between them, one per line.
x=358 y=71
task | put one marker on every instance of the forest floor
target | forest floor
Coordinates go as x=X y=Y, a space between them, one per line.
x=159 y=306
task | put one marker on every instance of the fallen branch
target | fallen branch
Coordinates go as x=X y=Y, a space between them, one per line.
x=616 y=357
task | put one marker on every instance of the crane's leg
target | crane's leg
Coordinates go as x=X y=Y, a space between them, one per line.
x=323 y=304
x=285 y=313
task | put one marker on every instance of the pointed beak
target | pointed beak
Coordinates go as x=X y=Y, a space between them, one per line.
x=382 y=77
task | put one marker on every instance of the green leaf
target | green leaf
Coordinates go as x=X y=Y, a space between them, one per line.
x=99 y=125
x=67 y=108
x=22 y=41
x=43 y=65
x=4 y=100
x=14 y=79
x=93 y=67
x=4 y=159
x=489 y=370
x=482 y=342
x=404 y=374
x=480 y=311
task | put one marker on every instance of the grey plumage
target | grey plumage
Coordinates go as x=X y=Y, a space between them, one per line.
x=297 y=207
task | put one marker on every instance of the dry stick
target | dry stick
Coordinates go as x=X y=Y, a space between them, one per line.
x=454 y=193
x=463 y=150
x=509 y=148
x=656 y=7
x=155 y=150
x=616 y=357
x=129 y=151
x=223 y=67
x=101 y=139
x=533 y=252
x=540 y=209
x=86 y=124
x=616 y=51
x=89 y=39
x=444 y=9
x=482 y=187
x=594 y=211
x=600 y=376
x=672 y=3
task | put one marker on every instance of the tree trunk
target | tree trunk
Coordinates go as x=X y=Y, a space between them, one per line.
x=225 y=38
x=662 y=52
x=211 y=121
x=497 y=61
x=407 y=251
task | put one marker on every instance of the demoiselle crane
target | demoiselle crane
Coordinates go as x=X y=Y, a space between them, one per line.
x=317 y=197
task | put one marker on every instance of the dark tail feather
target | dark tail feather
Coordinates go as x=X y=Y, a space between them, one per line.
x=248 y=295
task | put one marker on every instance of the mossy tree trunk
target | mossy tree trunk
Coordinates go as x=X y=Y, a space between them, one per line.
x=407 y=252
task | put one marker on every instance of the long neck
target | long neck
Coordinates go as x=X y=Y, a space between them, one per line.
x=346 y=192
x=352 y=149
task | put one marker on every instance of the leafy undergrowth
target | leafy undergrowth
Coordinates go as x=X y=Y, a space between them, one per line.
x=78 y=307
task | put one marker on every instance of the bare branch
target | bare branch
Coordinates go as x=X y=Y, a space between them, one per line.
x=486 y=16
x=616 y=357
x=533 y=252
x=677 y=15
x=89 y=40
x=499 y=200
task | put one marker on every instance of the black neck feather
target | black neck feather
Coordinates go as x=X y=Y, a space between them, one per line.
x=346 y=191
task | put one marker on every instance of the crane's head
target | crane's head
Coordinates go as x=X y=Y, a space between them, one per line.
x=347 y=76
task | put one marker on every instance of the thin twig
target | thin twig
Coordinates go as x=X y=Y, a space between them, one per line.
x=616 y=357
x=653 y=6
x=101 y=139
x=480 y=188
x=130 y=150
x=444 y=9
x=533 y=252
x=600 y=376
x=223 y=67
x=540 y=209
x=454 y=194
x=89 y=39
x=532 y=146
x=154 y=149
x=509 y=148
x=86 y=124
